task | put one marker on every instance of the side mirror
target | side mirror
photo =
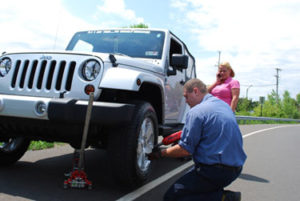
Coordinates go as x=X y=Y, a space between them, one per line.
x=179 y=61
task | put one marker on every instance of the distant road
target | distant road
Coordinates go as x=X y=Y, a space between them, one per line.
x=271 y=172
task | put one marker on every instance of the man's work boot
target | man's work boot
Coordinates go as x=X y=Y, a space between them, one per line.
x=231 y=196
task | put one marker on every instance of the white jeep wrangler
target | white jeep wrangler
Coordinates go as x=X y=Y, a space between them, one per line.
x=137 y=76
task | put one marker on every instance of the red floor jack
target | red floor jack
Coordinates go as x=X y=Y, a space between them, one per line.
x=77 y=178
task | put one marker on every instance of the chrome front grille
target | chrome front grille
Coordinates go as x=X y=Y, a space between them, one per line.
x=46 y=75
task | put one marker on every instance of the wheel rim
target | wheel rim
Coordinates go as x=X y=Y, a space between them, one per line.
x=145 y=144
x=11 y=144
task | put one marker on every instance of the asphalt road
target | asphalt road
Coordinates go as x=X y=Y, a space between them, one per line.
x=270 y=173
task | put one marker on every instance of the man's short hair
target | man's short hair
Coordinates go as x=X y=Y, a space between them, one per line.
x=191 y=84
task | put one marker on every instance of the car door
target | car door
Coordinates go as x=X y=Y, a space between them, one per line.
x=174 y=82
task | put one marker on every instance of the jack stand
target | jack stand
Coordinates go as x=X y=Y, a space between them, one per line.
x=77 y=178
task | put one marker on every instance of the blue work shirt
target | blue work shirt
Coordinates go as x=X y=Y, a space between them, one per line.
x=211 y=134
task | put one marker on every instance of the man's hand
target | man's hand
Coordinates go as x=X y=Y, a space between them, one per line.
x=155 y=154
x=175 y=151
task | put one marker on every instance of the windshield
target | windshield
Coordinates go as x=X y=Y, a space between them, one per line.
x=134 y=43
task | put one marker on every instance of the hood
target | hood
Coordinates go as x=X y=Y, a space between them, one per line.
x=146 y=64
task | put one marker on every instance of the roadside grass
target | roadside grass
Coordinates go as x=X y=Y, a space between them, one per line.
x=39 y=145
x=245 y=122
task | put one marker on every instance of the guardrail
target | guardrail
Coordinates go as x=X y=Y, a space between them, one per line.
x=251 y=118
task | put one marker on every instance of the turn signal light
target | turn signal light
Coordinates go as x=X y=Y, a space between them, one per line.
x=88 y=89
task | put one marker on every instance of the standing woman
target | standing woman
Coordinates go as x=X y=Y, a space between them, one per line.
x=226 y=88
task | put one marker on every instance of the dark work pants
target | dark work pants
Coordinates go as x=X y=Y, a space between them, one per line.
x=203 y=183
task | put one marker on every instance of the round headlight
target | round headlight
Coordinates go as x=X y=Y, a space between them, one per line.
x=90 y=70
x=5 y=66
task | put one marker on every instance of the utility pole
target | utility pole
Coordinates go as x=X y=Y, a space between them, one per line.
x=277 y=82
x=219 y=58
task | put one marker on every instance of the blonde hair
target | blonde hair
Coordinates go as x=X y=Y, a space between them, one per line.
x=228 y=66
x=191 y=84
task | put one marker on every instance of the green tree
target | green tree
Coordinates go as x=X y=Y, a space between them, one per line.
x=270 y=108
x=281 y=108
x=298 y=101
x=273 y=98
x=245 y=106
x=140 y=25
x=289 y=106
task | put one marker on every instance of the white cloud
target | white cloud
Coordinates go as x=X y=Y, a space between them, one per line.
x=47 y=25
x=118 y=9
x=254 y=36
x=33 y=25
x=179 y=4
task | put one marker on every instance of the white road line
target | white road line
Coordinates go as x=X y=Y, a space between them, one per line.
x=266 y=129
x=149 y=186
x=140 y=191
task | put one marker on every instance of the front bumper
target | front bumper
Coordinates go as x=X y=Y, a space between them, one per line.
x=65 y=110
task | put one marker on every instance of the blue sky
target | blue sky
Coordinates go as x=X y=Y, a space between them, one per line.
x=254 y=36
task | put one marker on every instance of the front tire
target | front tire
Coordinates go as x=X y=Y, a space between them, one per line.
x=129 y=145
x=12 y=149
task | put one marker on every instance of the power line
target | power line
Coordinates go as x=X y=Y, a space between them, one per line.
x=249 y=86
x=265 y=85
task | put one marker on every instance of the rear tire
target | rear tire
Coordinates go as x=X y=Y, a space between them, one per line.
x=12 y=149
x=128 y=146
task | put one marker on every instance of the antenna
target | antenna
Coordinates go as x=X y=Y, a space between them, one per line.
x=57 y=27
